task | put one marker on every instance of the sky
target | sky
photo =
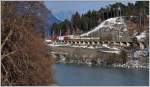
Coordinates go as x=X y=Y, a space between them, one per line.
x=65 y=9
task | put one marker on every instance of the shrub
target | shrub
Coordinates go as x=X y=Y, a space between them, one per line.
x=24 y=58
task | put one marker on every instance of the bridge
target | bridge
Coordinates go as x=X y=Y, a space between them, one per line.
x=95 y=42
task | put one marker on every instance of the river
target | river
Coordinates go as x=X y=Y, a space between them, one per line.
x=82 y=75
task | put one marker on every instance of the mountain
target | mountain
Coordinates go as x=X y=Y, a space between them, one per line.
x=44 y=17
x=52 y=19
x=49 y=21
x=62 y=15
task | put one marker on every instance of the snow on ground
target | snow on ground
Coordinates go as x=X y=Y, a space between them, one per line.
x=48 y=41
x=105 y=45
x=51 y=45
x=115 y=48
x=54 y=45
x=107 y=23
x=95 y=29
x=91 y=47
x=141 y=35
x=114 y=51
x=110 y=49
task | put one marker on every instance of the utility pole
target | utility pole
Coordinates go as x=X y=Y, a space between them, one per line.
x=114 y=11
x=120 y=19
x=103 y=16
x=107 y=12
x=110 y=12
x=144 y=18
x=113 y=28
x=60 y=33
x=53 y=33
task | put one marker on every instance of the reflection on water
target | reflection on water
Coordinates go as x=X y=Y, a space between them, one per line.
x=78 y=75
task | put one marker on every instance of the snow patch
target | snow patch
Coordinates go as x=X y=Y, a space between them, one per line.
x=141 y=35
x=114 y=48
x=109 y=23
x=105 y=45
x=117 y=52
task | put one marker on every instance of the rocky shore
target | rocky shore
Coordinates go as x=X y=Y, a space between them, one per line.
x=92 y=57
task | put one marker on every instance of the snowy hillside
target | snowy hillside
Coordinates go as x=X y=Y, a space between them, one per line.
x=111 y=23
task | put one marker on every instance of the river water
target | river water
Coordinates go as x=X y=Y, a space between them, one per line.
x=82 y=75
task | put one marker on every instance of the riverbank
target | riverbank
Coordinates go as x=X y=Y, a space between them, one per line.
x=93 y=57
x=123 y=66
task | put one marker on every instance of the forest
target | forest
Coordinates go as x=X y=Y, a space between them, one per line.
x=85 y=22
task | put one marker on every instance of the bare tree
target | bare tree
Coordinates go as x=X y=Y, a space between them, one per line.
x=24 y=58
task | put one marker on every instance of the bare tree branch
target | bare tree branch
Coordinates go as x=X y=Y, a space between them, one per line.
x=5 y=55
x=7 y=37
